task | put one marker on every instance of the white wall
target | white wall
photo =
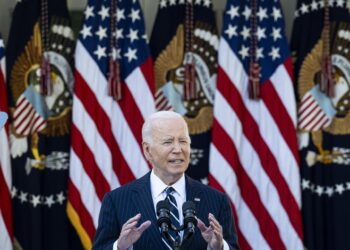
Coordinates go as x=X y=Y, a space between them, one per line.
x=149 y=7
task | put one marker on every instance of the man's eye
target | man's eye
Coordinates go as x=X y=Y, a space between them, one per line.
x=167 y=142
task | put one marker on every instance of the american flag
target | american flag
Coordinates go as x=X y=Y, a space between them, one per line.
x=106 y=134
x=6 y=230
x=253 y=155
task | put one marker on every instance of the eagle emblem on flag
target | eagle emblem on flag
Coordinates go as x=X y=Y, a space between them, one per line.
x=319 y=113
x=37 y=114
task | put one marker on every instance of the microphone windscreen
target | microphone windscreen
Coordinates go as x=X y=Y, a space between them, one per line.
x=162 y=205
x=188 y=205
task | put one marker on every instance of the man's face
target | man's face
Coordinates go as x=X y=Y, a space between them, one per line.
x=169 y=151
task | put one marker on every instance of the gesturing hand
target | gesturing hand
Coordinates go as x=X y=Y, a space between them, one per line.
x=130 y=233
x=213 y=233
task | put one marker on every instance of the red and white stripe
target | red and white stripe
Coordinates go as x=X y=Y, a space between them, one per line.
x=25 y=119
x=254 y=157
x=311 y=116
x=161 y=101
x=6 y=229
x=106 y=136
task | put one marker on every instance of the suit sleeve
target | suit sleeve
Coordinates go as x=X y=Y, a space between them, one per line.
x=228 y=225
x=108 y=229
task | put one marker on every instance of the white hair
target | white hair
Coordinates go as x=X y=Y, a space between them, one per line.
x=147 y=126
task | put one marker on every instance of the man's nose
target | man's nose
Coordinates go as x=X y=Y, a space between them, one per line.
x=177 y=147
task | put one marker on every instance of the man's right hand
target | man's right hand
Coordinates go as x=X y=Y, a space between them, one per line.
x=130 y=233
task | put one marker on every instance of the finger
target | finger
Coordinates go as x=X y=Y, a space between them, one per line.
x=132 y=219
x=218 y=235
x=201 y=225
x=144 y=226
x=212 y=219
x=215 y=226
x=129 y=226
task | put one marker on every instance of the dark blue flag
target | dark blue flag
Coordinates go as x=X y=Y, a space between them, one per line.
x=321 y=46
x=184 y=46
x=39 y=71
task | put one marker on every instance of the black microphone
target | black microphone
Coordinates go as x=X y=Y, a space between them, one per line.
x=163 y=213
x=190 y=221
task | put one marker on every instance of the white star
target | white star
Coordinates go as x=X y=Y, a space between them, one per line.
x=135 y=15
x=60 y=198
x=245 y=32
x=340 y=3
x=104 y=12
x=198 y=2
x=321 y=3
x=120 y=14
x=172 y=2
x=231 y=31
x=49 y=201
x=348 y=185
x=296 y=14
x=89 y=12
x=275 y=53
x=120 y=33
x=305 y=184
x=86 y=31
x=262 y=13
x=23 y=197
x=205 y=181
x=244 y=52
x=101 y=33
x=206 y=3
x=14 y=189
x=2 y=43
x=314 y=5
x=319 y=190
x=276 y=33
x=162 y=4
x=116 y=53
x=331 y=2
x=247 y=12
x=131 y=54
x=233 y=12
x=100 y=52
x=133 y=35
x=181 y=1
x=329 y=191
x=259 y=53
x=35 y=200
x=261 y=33
x=304 y=8
x=276 y=13
x=339 y=188
x=145 y=37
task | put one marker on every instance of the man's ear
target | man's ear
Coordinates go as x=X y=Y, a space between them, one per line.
x=146 y=150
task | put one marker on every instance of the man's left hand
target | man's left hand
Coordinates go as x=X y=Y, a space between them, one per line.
x=213 y=233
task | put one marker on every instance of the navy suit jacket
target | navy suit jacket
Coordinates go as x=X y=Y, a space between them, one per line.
x=121 y=204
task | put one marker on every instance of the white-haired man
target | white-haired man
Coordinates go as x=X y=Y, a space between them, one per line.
x=128 y=214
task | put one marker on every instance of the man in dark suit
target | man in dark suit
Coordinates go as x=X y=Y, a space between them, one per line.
x=128 y=214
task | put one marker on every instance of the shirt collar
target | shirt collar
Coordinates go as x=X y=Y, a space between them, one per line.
x=158 y=186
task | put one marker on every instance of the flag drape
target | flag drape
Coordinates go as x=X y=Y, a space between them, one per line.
x=6 y=228
x=40 y=46
x=253 y=154
x=323 y=121
x=106 y=133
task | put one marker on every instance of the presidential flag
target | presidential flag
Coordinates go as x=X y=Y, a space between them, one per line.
x=184 y=46
x=253 y=154
x=321 y=36
x=113 y=95
x=40 y=81
x=6 y=229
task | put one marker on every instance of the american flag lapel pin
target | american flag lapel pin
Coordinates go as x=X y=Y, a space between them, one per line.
x=197 y=199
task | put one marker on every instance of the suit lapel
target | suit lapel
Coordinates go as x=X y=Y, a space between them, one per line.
x=143 y=200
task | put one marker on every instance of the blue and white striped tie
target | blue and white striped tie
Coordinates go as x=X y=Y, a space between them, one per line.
x=174 y=214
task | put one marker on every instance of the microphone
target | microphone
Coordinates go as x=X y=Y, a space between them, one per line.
x=190 y=221
x=163 y=213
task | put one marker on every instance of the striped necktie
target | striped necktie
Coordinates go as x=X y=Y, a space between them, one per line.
x=174 y=214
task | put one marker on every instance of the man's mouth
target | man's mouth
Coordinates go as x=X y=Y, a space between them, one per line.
x=176 y=161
